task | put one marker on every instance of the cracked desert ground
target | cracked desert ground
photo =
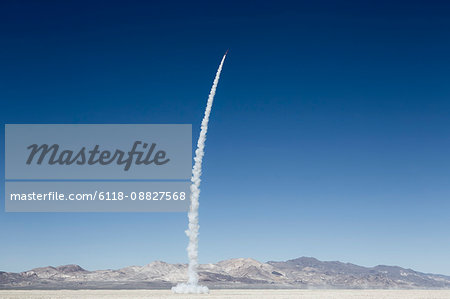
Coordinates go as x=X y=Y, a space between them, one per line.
x=222 y=294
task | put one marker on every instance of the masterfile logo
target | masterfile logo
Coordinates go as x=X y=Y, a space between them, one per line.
x=53 y=155
x=72 y=151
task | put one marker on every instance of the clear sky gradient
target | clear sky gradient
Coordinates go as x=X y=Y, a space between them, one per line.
x=329 y=136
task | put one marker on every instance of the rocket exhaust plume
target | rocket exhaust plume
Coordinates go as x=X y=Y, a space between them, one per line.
x=192 y=284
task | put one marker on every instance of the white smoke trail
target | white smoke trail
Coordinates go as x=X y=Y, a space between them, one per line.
x=192 y=284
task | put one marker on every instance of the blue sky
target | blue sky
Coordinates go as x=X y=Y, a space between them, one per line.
x=329 y=136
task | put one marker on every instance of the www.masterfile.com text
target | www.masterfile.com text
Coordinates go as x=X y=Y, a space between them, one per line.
x=100 y=195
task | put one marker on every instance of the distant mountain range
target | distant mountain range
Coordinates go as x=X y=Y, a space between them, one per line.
x=304 y=272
